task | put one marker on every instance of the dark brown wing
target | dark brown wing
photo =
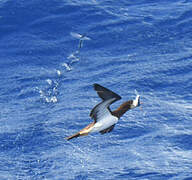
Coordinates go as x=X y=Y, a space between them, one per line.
x=105 y=93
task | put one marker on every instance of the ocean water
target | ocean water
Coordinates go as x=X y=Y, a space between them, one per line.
x=46 y=90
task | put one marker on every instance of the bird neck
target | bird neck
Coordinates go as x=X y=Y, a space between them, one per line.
x=123 y=108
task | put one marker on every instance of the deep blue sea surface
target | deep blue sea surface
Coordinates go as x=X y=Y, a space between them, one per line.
x=46 y=90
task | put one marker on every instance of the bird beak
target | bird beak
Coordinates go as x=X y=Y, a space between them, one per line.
x=141 y=106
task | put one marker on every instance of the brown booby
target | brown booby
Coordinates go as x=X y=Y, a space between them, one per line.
x=104 y=118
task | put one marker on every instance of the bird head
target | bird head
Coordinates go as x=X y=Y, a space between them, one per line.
x=137 y=101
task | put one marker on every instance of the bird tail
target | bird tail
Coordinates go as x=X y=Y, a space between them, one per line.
x=73 y=136
x=76 y=135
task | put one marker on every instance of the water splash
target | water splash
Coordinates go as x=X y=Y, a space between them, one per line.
x=50 y=92
x=58 y=72
x=74 y=57
x=67 y=66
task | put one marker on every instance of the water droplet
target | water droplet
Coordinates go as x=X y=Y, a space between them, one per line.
x=49 y=81
x=58 y=72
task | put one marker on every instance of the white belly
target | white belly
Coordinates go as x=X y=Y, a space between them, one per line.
x=104 y=123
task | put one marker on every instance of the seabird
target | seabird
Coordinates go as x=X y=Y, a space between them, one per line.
x=104 y=118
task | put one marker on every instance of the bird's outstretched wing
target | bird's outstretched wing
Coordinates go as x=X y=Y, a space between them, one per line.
x=102 y=110
x=105 y=93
